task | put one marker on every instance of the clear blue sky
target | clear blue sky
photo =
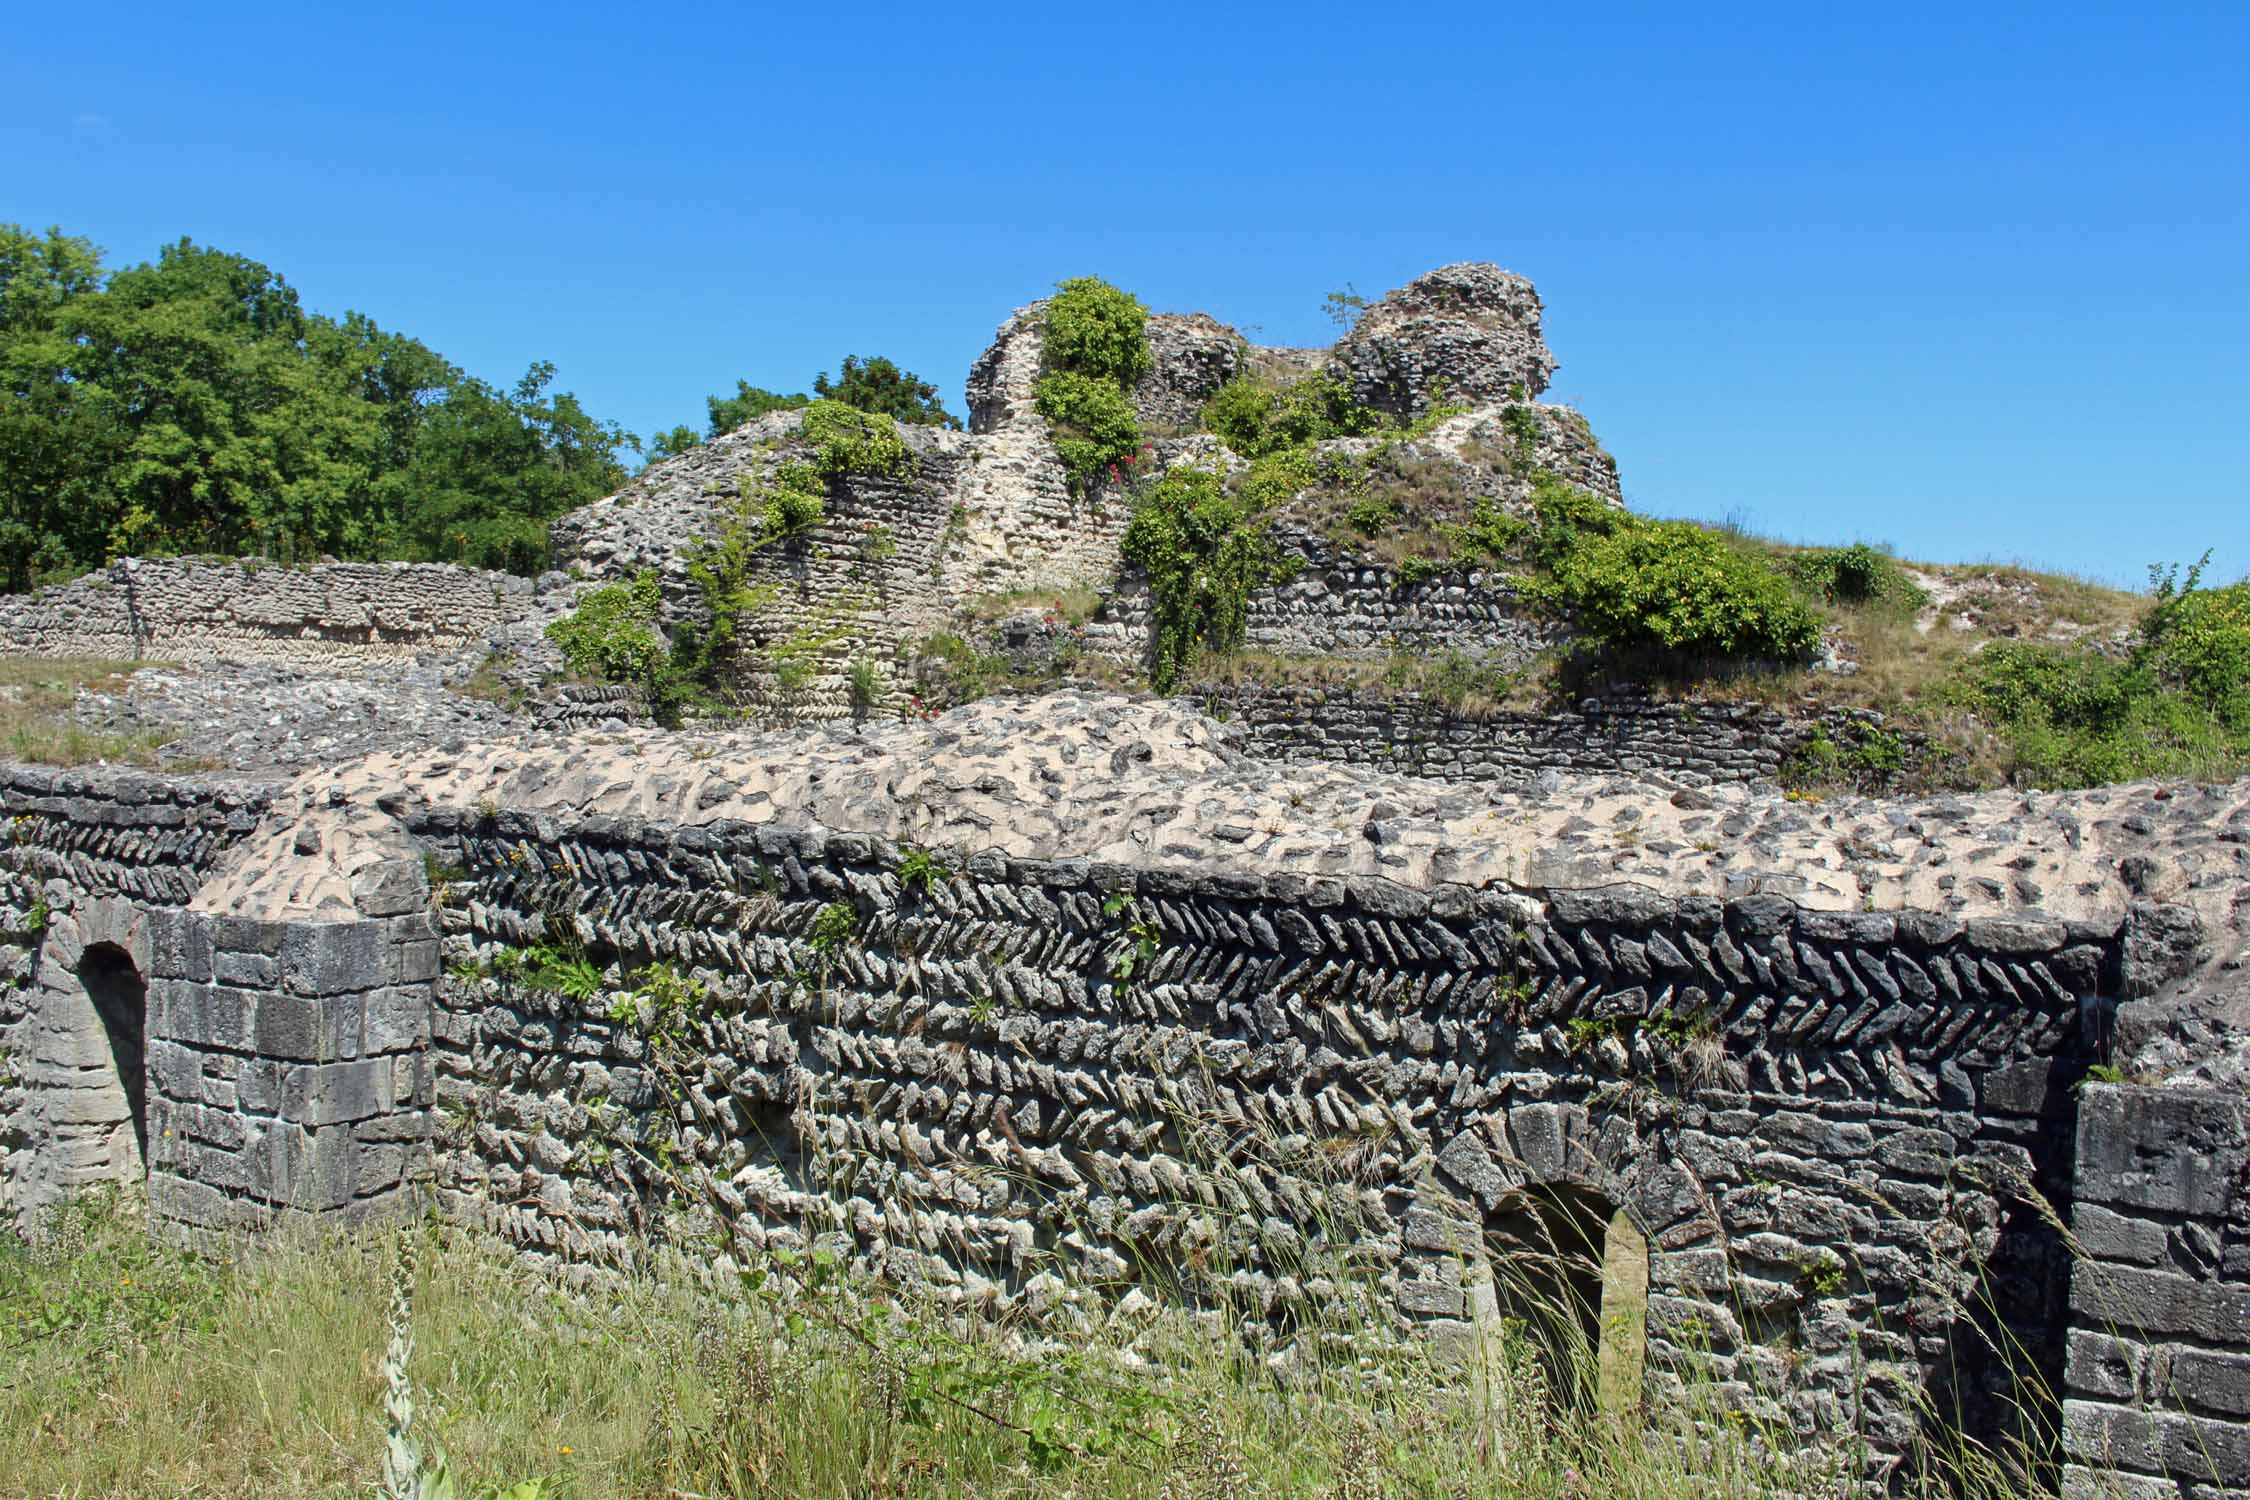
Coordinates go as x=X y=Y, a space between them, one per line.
x=1976 y=285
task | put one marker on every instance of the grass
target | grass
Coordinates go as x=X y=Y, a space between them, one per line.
x=1074 y=605
x=488 y=684
x=133 y=1369
x=36 y=694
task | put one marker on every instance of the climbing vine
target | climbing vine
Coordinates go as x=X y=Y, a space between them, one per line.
x=1203 y=549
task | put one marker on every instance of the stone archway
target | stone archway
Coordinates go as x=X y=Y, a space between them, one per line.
x=120 y=999
x=1556 y=1253
x=86 y=1066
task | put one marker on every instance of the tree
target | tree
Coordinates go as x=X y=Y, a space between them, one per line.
x=492 y=469
x=747 y=404
x=673 y=443
x=192 y=404
x=880 y=387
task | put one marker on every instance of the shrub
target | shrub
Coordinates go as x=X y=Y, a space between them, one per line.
x=792 y=504
x=1094 y=424
x=1095 y=348
x=1371 y=515
x=2178 y=704
x=1858 y=574
x=1096 y=330
x=847 y=440
x=2199 y=640
x=1204 y=549
x=1568 y=518
x=1255 y=418
x=616 y=633
x=1673 y=587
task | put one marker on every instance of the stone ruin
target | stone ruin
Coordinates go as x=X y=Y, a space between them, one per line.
x=1929 y=1114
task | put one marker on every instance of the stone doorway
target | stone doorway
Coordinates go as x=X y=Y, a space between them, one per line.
x=1570 y=1270
x=120 y=1000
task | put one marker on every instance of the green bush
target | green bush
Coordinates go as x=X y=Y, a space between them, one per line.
x=1858 y=574
x=847 y=440
x=1204 y=549
x=1255 y=417
x=1095 y=348
x=616 y=633
x=1096 y=330
x=1094 y=424
x=1675 y=588
x=2176 y=704
x=1371 y=515
x=2199 y=640
x=792 y=504
x=1569 y=517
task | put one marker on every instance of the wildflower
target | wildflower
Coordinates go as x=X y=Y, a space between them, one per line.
x=564 y=1450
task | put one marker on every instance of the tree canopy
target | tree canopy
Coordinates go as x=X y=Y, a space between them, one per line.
x=193 y=405
x=876 y=386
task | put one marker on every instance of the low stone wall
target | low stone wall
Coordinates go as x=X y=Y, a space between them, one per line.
x=191 y=610
x=1410 y=734
x=1417 y=736
x=86 y=857
x=2158 y=1402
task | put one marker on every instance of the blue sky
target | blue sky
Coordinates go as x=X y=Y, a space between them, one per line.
x=1973 y=284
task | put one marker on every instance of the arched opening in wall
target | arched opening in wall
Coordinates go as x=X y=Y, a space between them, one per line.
x=120 y=998
x=1570 y=1274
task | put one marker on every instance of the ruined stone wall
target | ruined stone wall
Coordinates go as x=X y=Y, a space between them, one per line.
x=1337 y=603
x=2158 y=1402
x=1410 y=734
x=1827 y=1125
x=890 y=562
x=1846 y=1135
x=191 y=610
x=1407 y=733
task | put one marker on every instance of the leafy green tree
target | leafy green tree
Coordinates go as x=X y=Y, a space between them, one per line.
x=491 y=469
x=192 y=404
x=882 y=388
x=673 y=442
x=747 y=404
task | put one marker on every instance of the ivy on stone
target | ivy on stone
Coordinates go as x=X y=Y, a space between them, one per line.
x=1203 y=549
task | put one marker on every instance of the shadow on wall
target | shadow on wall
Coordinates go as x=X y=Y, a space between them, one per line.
x=120 y=998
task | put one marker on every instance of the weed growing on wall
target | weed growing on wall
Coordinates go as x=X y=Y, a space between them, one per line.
x=1257 y=417
x=616 y=634
x=1204 y=548
x=1094 y=350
